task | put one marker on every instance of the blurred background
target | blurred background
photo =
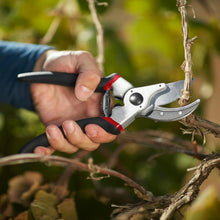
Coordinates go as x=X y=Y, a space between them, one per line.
x=143 y=43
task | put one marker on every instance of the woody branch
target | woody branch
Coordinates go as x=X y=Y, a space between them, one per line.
x=187 y=43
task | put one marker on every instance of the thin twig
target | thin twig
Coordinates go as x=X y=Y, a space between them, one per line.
x=99 y=35
x=58 y=12
x=114 y=157
x=162 y=140
x=187 y=43
x=62 y=183
x=52 y=30
x=199 y=126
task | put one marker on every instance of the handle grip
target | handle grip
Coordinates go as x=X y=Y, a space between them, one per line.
x=64 y=79
x=106 y=123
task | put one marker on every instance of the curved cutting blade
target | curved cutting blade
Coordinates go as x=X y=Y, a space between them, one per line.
x=172 y=114
x=172 y=93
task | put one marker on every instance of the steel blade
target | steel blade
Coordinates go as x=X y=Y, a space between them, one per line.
x=172 y=93
x=172 y=114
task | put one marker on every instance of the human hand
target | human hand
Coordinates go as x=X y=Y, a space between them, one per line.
x=58 y=105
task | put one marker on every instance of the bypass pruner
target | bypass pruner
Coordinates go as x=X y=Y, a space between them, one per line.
x=143 y=101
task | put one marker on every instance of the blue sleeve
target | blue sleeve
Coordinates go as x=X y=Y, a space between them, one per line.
x=17 y=58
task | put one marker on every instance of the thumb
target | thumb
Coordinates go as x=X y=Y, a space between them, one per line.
x=86 y=85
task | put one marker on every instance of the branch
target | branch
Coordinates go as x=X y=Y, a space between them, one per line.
x=200 y=126
x=162 y=140
x=58 y=13
x=165 y=206
x=51 y=31
x=62 y=183
x=99 y=36
x=190 y=191
x=187 y=43
x=62 y=161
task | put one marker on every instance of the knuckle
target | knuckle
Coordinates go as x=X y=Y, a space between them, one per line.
x=81 y=55
x=87 y=54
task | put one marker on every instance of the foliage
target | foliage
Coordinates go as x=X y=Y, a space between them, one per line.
x=143 y=42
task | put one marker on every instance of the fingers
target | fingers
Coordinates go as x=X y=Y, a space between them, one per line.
x=99 y=135
x=44 y=150
x=75 y=138
x=85 y=65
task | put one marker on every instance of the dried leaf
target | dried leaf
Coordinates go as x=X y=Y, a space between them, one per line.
x=43 y=206
x=22 y=187
x=67 y=209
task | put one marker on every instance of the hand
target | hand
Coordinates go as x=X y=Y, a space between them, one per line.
x=58 y=105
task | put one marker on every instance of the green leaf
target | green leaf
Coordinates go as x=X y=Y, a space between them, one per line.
x=43 y=207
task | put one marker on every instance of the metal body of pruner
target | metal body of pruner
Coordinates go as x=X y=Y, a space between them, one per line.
x=146 y=101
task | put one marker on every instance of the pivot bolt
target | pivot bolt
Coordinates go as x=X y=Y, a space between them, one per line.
x=136 y=98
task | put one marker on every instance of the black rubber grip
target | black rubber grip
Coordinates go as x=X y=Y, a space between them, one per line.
x=59 y=78
x=41 y=140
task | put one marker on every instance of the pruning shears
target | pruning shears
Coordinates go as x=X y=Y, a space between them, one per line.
x=146 y=101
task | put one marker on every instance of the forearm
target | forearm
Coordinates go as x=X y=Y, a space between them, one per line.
x=17 y=58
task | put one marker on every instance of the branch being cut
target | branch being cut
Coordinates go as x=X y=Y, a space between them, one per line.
x=187 y=43
x=195 y=124
x=99 y=36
